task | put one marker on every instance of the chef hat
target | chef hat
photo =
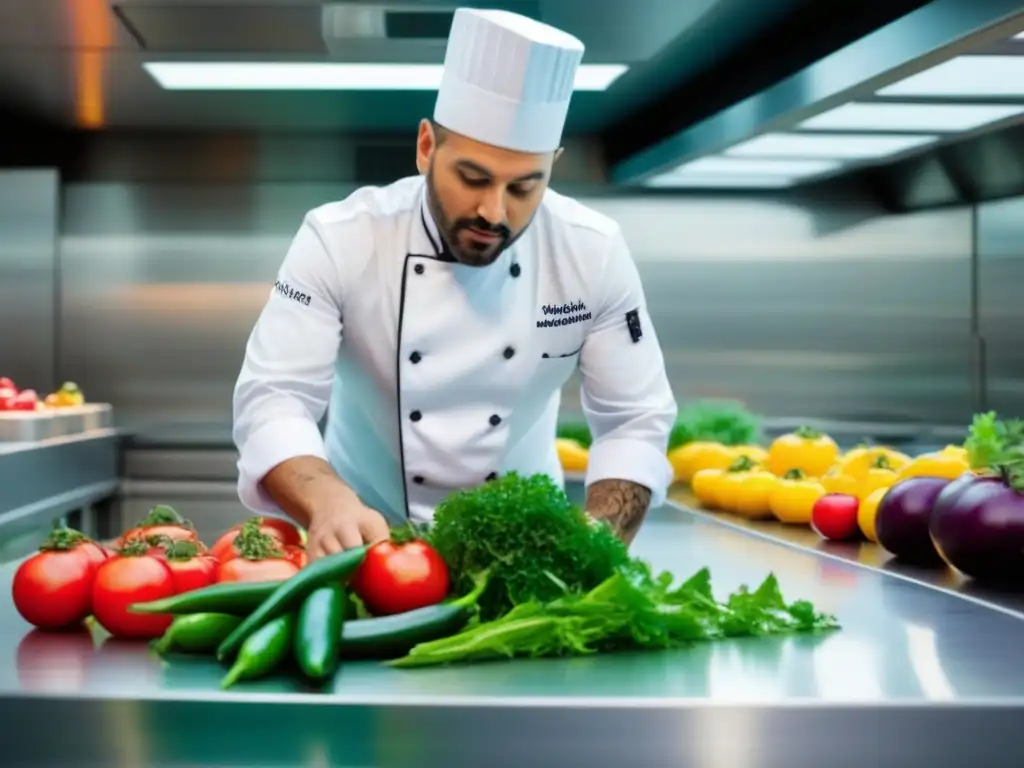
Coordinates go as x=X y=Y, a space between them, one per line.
x=507 y=80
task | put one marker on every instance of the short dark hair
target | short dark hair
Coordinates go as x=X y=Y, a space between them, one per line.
x=440 y=132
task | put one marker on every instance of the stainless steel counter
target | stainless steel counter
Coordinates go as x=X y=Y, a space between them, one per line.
x=62 y=477
x=916 y=676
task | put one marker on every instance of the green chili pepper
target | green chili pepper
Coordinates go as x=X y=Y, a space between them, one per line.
x=262 y=651
x=333 y=569
x=197 y=633
x=238 y=598
x=318 y=633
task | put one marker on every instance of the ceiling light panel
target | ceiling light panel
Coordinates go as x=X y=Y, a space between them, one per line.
x=719 y=181
x=886 y=116
x=766 y=167
x=330 y=76
x=827 y=145
x=965 y=77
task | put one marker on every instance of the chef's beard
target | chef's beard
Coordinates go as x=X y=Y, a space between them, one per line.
x=476 y=254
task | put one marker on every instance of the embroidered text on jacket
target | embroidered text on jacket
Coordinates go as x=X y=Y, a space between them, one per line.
x=564 y=314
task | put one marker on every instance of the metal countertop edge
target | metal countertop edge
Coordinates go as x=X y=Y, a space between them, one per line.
x=840 y=559
x=696 y=704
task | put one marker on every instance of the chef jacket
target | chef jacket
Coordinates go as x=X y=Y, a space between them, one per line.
x=438 y=376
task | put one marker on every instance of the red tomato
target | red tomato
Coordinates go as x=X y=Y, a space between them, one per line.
x=297 y=555
x=223 y=549
x=97 y=554
x=125 y=580
x=24 y=401
x=395 y=578
x=287 y=531
x=53 y=588
x=193 y=572
x=155 y=533
x=243 y=569
x=7 y=394
x=834 y=516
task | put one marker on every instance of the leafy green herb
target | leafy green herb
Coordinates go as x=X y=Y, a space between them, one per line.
x=990 y=440
x=629 y=610
x=534 y=543
x=714 y=420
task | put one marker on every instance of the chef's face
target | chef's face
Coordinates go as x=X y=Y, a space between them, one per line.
x=482 y=197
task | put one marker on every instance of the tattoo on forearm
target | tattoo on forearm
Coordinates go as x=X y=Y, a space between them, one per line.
x=621 y=502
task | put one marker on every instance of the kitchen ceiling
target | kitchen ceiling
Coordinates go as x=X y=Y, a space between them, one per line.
x=80 y=63
x=918 y=108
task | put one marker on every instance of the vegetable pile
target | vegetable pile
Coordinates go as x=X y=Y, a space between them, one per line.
x=961 y=506
x=705 y=422
x=509 y=569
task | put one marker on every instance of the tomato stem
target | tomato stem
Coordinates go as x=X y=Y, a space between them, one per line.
x=253 y=544
x=63 y=540
x=135 y=548
x=162 y=514
x=807 y=433
x=794 y=474
x=180 y=550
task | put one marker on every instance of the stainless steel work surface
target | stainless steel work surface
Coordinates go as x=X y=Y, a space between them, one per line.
x=909 y=662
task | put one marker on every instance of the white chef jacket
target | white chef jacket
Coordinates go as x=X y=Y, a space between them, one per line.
x=441 y=376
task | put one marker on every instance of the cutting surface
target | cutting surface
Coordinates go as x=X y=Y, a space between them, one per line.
x=900 y=642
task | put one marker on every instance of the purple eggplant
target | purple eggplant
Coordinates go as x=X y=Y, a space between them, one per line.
x=901 y=522
x=980 y=530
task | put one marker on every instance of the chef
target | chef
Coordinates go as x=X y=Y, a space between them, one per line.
x=437 y=319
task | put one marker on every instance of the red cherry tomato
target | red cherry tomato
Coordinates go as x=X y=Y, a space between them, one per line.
x=193 y=572
x=97 y=554
x=25 y=400
x=53 y=588
x=159 y=533
x=395 y=578
x=834 y=516
x=224 y=548
x=243 y=569
x=6 y=383
x=297 y=555
x=287 y=531
x=124 y=580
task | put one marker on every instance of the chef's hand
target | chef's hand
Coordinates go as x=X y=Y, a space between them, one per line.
x=344 y=526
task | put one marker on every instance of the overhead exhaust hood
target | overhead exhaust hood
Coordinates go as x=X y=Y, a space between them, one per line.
x=949 y=72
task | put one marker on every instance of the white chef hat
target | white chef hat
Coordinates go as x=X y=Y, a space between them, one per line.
x=507 y=80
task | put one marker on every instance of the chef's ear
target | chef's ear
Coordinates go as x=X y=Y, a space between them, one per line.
x=427 y=141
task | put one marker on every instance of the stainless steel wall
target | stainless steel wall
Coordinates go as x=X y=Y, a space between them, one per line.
x=28 y=276
x=1000 y=248
x=798 y=309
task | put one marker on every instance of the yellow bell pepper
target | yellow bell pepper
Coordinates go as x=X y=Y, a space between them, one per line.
x=753 y=497
x=836 y=480
x=70 y=395
x=687 y=459
x=755 y=453
x=857 y=461
x=948 y=463
x=805 y=449
x=868 y=511
x=705 y=486
x=571 y=455
x=880 y=475
x=794 y=499
x=728 y=489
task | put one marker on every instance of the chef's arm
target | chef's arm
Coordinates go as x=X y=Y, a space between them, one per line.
x=285 y=383
x=627 y=401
